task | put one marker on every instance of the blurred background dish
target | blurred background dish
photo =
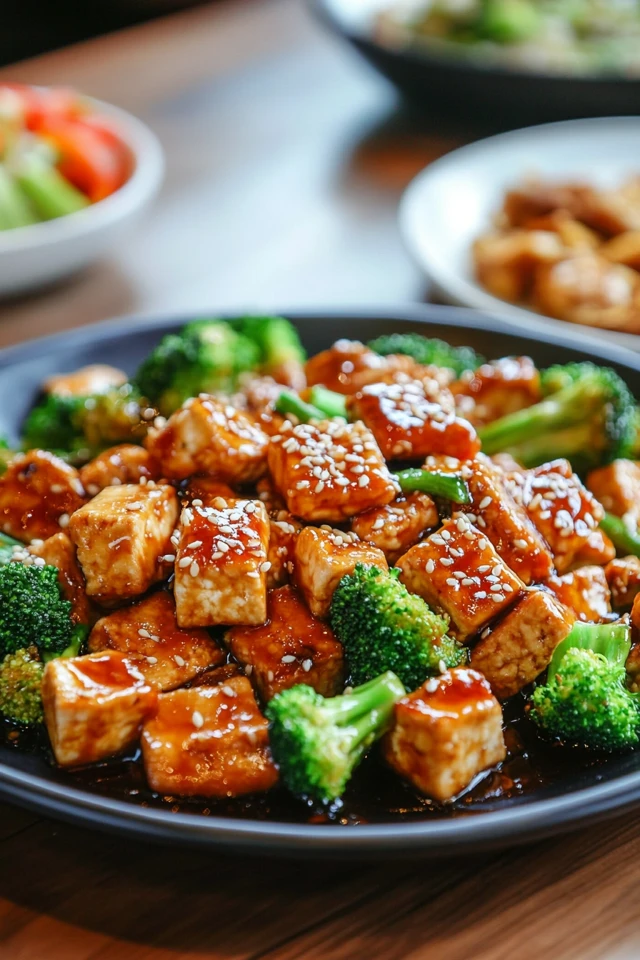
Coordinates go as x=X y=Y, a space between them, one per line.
x=554 y=73
x=453 y=202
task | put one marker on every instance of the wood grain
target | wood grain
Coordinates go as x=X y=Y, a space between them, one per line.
x=286 y=159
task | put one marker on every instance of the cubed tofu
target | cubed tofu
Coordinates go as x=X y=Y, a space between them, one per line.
x=562 y=509
x=445 y=733
x=623 y=577
x=322 y=557
x=208 y=741
x=457 y=571
x=58 y=551
x=597 y=549
x=95 y=378
x=121 y=536
x=94 y=706
x=292 y=647
x=584 y=591
x=347 y=367
x=494 y=511
x=148 y=633
x=208 y=436
x=126 y=463
x=498 y=388
x=330 y=471
x=617 y=487
x=283 y=532
x=38 y=494
x=514 y=652
x=398 y=525
x=408 y=425
x=221 y=563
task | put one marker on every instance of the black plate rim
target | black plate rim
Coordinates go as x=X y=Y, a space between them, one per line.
x=478 y=829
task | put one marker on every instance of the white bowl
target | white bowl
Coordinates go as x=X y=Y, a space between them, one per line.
x=33 y=256
x=452 y=202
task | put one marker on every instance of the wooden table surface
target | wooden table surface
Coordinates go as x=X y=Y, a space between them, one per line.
x=286 y=159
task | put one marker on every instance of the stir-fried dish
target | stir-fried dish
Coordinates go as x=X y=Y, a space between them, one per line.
x=249 y=572
x=568 y=250
x=554 y=36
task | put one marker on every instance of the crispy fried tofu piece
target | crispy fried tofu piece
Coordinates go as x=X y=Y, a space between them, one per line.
x=519 y=647
x=348 y=366
x=322 y=557
x=121 y=536
x=445 y=733
x=498 y=388
x=38 y=494
x=283 y=532
x=408 y=425
x=625 y=248
x=206 y=489
x=562 y=509
x=458 y=571
x=148 y=633
x=623 y=577
x=590 y=290
x=209 y=741
x=59 y=551
x=126 y=463
x=330 y=470
x=617 y=487
x=598 y=549
x=94 y=378
x=94 y=706
x=607 y=211
x=505 y=262
x=494 y=511
x=221 y=563
x=585 y=591
x=398 y=525
x=208 y=436
x=292 y=647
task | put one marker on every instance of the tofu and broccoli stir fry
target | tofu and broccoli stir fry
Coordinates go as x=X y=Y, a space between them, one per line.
x=256 y=573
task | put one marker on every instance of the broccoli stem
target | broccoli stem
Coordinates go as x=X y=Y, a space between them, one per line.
x=367 y=705
x=289 y=402
x=625 y=540
x=331 y=403
x=610 y=640
x=448 y=486
x=78 y=637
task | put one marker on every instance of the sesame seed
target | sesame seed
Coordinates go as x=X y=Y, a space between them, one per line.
x=287 y=658
x=363 y=481
x=484 y=503
x=194 y=544
x=468 y=582
x=143 y=633
x=483 y=544
x=264 y=567
x=197 y=719
x=442 y=667
x=431 y=685
x=63 y=520
x=446 y=561
x=451 y=581
x=152 y=659
x=520 y=544
x=194 y=569
x=179 y=660
x=480 y=595
x=168 y=557
x=430 y=567
x=306 y=665
x=184 y=562
x=498 y=597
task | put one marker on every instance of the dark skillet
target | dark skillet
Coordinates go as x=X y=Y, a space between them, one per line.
x=543 y=790
x=457 y=84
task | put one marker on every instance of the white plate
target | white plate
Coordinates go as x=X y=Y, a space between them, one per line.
x=33 y=256
x=452 y=201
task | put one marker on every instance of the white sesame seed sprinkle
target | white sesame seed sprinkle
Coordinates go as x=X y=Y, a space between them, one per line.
x=197 y=719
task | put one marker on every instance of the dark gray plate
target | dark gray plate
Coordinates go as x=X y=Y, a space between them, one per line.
x=584 y=795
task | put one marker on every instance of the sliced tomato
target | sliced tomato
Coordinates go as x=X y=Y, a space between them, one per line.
x=87 y=158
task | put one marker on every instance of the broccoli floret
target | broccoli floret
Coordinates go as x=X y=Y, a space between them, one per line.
x=78 y=428
x=587 y=416
x=21 y=686
x=317 y=742
x=428 y=351
x=384 y=627
x=584 y=699
x=277 y=340
x=32 y=610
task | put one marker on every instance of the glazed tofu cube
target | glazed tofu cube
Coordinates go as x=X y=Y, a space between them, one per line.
x=617 y=487
x=209 y=742
x=584 y=591
x=445 y=733
x=597 y=549
x=457 y=571
x=283 y=532
x=347 y=367
x=270 y=495
x=330 y=471
x=623 y=577
x=498 y=388
x=125 y=463
x=292 y=647
x=38 y=494
x=95 y=378
x=206 y=489
x=516 y=651
x=148 y=633
x=120 y=537
x=506 y=523
x=58 y=551
x=398 y=525
x=208 y=436
x=94 y=706
x=221 y=564
x=408 y=425
x=322 y=557
x=562 y=509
